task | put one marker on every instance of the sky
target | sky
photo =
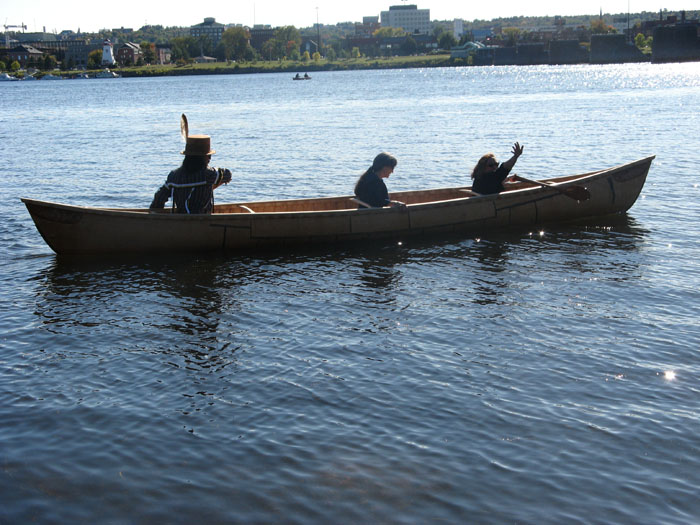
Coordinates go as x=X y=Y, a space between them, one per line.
x=91 y=16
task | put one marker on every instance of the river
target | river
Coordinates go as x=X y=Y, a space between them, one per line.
x=548 y=376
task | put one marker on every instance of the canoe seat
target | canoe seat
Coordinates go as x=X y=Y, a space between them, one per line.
x=360 y=202
x=246 y=208
x=471 y=193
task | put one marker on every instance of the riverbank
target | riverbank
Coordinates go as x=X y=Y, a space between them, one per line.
x=289 y=66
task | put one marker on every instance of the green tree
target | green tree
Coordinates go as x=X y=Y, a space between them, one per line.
x=447 y=40
x=180 y=48
x=643 y=43
x=149 y=52
x=388 y=32
x=95 y=59
x=305 y=57
x=355 y=52
x=409 y=46
x=316 y=56
x=511 y=34
x=49 y=62
x=250 y=53
x=3 y=66
x=331 y=55
x=286 y=38
x=234 y=42
x=438 y=31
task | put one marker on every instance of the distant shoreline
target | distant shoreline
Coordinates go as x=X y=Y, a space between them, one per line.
x=293 y=67
x=290 y=67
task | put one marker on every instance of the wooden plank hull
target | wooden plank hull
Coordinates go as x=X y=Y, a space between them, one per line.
x=76 y=230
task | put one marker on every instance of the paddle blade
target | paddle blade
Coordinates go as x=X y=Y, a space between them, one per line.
x=578 y=193
x=184 y=128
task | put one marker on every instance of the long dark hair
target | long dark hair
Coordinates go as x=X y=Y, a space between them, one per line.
x=194 y=163
x=483 y=161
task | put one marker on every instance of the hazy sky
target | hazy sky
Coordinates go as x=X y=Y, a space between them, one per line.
x=91 y=16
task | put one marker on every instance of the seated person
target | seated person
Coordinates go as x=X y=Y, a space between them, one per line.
x=191 y=186
x=489 y=176
x=370 y=187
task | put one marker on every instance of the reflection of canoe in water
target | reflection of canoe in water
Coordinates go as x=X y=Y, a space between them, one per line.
x=245 y=225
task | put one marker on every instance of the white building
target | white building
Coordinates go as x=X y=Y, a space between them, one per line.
x=107 y=54
x=408 y=17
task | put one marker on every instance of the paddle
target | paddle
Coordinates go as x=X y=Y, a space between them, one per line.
x=578 y=193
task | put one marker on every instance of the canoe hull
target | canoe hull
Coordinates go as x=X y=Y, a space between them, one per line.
x=75 y=230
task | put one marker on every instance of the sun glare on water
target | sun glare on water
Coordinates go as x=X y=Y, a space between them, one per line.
x=669 y=375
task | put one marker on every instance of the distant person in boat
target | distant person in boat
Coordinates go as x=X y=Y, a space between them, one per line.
x=370 y=188
x=306 y=75
x=191 y=186
x=489 y=176
x=298 y=77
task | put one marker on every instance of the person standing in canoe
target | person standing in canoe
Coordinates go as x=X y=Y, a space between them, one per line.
x=488 y=176
x=370 y=188
x=191 y=186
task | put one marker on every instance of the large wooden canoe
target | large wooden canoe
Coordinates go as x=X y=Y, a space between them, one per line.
x=73 y=230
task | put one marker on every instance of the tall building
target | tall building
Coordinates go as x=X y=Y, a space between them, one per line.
x=408 y=17
x=209 y=28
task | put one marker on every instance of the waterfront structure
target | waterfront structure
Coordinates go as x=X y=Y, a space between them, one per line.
x=107 y=53
x=676 y=43
x=614 y=48
x=408 y=17
x=210 y=28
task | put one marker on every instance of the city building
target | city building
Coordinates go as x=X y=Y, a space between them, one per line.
x=408 y=17
x=163 y=54
x=209 y=28
x=260 y=34
x=78 y=51
x=368 y=26
x=129 y=53
x=24 y=54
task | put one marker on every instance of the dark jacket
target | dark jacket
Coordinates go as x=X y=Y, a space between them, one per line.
x=191 y=192
x=372 y=190
x=487 y=183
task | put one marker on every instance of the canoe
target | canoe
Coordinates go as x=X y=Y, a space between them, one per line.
x=80 y=230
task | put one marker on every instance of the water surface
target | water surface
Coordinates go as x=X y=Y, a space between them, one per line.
x=542 y=376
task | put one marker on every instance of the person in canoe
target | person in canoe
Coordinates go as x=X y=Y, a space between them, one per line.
x=488 y=176
x=191 y=186
x=370 y=189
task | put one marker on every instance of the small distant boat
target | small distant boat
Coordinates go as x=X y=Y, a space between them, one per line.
x=5 y=77
x=106 y=73
x=80 y=230
x=299 y=77
x=80 y=76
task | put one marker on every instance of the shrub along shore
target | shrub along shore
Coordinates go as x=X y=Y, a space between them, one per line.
x=290 y=66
